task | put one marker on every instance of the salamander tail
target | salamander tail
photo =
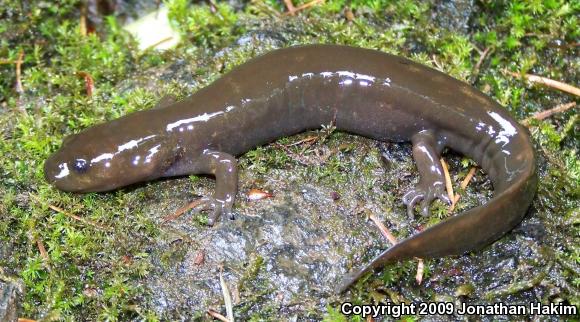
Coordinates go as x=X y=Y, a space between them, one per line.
x=514 y=179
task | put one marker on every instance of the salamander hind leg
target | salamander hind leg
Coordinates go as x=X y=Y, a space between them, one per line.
x=224 y=167
x=426 y=151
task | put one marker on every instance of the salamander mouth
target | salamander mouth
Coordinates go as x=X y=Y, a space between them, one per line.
x=51 y=170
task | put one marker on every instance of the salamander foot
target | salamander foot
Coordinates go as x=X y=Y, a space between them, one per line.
x=424 y=193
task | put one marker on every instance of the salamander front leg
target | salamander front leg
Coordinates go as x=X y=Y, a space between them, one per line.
x=426 y=151
x=225 y=169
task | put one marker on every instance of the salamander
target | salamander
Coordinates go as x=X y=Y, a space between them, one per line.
x=291 y=90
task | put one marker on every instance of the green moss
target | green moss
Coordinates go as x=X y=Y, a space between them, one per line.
x=333 y=314
x=205 y=25
x=251 y=273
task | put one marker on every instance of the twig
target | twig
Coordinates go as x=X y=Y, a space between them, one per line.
x=166 y=39
x=298 y=158
x=391 y=238
x=89 y=82
x=182 y=210
x=83 y=20
x=306 y=140
x=310 y=140
x=420 y=271
x=448 y=184
x=25 y=320
x=547 y=113
x=42 y=250
x=468 y=178
x=436 y=62
x=216 y=315
x=64 y=212
x=227 y=298
x=309 y=4
x=549 y=82
x=292 y=10
x=214 y=6
x=477 y=66
x=463 y=185
x=309 y=144
x=19 y=61
x=384 y=230
x=290 y=7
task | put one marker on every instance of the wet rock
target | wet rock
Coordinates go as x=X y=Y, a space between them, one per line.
x=533 y=230
x=453 y=15
x=10 y=293
x=265 y=37
x=285 y=253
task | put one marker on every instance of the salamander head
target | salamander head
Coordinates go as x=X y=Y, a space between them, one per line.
x=97 y=160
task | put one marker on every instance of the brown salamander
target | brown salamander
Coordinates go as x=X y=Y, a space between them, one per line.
x=287 y=91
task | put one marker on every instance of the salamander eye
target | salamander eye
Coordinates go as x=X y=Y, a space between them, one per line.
x=80 y=165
